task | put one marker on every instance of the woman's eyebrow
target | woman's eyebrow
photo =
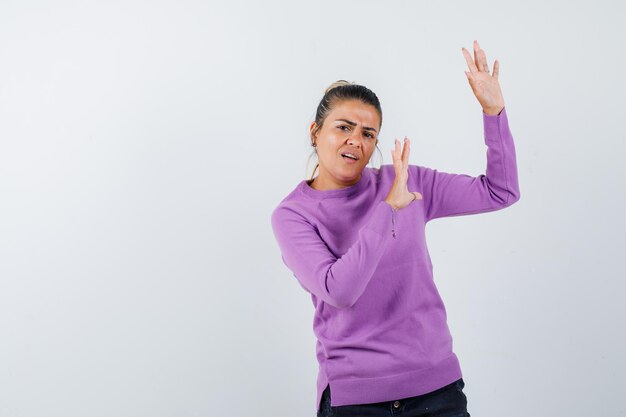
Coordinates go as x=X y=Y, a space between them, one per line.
x=354 y=124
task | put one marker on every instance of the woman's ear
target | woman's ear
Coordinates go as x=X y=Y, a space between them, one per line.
x=313 y=133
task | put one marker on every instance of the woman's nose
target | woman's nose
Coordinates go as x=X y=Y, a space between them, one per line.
x=353 y=138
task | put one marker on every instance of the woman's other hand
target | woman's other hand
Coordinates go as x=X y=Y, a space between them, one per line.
x=486 y=87
x=399 y=195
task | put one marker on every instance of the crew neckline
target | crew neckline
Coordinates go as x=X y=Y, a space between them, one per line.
x=349 y=191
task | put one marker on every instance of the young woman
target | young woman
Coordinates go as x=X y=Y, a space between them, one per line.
x=354 y=238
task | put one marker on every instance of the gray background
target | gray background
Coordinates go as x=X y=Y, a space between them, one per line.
x=144 y=144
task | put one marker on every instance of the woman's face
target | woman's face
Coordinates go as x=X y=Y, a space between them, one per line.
x=351 y=127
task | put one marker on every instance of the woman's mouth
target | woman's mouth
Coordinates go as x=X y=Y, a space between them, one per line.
x=349 y=158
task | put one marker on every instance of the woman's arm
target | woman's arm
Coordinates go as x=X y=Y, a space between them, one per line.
x=337 y=281
x=447 y=194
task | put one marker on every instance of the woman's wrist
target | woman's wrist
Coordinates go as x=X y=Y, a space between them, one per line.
x=393 y=206
x=495 y=111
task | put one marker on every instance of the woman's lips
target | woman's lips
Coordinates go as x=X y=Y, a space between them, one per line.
x=348 y=160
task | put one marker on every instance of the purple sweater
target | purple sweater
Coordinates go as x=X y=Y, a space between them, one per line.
x=379 y=320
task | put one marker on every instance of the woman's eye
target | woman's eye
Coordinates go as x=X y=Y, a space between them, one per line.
x=369 y=135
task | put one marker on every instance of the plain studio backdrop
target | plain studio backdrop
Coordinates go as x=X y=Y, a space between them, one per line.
x=144 y=144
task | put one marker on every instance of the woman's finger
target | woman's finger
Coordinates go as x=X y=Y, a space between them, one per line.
x=483 y=57
x=405 y=151
x=394 y=155
x=480 y=57
x=496 y=69
x=468 y=58
x=416 y=195
x=477 y=60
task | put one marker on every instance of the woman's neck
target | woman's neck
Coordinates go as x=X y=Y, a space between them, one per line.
x=322 y=185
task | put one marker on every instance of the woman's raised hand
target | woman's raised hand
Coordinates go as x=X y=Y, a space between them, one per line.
x=399 y=195
x=486 y=87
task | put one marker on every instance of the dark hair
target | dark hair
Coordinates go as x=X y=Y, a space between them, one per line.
x=337 y=92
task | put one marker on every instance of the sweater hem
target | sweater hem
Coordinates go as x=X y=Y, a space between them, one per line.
x=393 y=387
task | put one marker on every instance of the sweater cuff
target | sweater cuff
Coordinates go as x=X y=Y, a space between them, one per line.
x=493 y=115
x=495 y=125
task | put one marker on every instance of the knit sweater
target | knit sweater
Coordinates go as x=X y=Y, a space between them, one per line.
x=380 y=322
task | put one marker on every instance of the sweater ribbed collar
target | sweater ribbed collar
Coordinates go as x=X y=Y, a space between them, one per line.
x=349 y=191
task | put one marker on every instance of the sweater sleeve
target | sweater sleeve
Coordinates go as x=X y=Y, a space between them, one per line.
x=447 y=194
x=337 y=281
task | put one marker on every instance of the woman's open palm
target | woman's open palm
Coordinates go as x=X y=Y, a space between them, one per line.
x=399 y=196
x=486 y=87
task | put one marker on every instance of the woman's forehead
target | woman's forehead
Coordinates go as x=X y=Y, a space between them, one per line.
x=357 y=112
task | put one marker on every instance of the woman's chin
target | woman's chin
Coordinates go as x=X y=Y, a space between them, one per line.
x=349 y=174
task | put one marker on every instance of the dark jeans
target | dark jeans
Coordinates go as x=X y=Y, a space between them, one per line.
x=448 y=401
